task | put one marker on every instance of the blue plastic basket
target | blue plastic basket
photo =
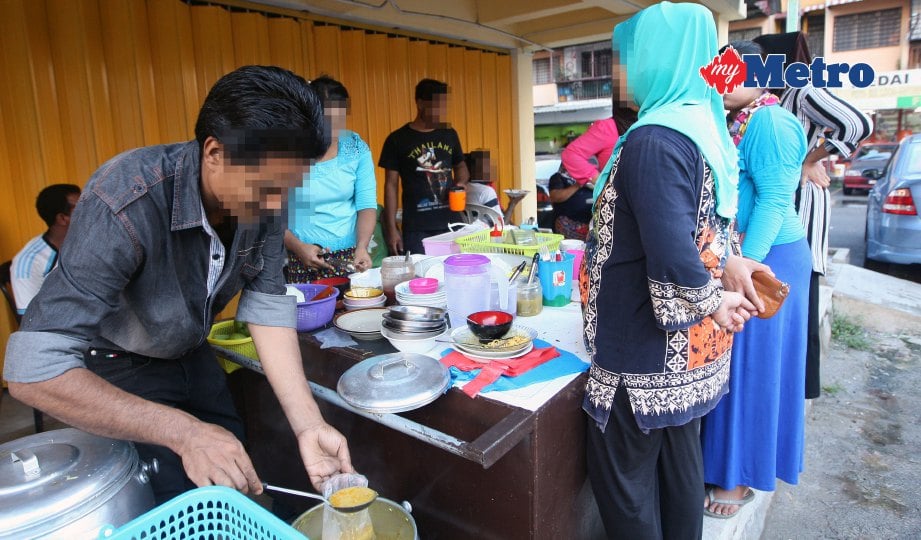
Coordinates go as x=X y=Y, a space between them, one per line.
x=207 y=513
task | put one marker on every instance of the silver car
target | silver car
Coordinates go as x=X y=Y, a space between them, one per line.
x=893 y=232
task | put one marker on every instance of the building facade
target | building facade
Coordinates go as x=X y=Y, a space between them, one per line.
x=883 y=33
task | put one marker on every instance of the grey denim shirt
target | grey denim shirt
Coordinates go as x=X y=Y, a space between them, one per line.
x=133 y=270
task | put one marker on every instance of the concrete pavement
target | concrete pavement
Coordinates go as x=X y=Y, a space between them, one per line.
x=875 y=301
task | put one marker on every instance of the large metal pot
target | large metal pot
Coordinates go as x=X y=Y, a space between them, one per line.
x=68 y=484
x=392 y=521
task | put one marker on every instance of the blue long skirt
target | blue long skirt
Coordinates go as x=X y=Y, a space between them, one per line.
x=755 y=433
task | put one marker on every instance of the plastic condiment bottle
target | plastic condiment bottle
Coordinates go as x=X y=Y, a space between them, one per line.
x=495 y=235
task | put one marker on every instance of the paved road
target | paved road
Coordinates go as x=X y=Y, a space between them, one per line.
x=848 y=220
x=862 y=477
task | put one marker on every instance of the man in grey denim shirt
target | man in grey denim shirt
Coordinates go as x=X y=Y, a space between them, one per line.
x=161 y=240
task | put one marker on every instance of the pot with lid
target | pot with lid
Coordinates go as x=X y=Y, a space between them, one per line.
x=395 y=382
x=69 y=484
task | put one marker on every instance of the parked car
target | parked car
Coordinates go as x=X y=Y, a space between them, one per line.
x=544 y=168
x=868 y=156
x=893 y=231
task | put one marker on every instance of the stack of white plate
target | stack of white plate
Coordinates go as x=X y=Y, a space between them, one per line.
x=517 y=342
x=364 y=324
x=437 y=299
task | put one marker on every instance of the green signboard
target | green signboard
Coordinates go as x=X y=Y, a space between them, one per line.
x=908 y=102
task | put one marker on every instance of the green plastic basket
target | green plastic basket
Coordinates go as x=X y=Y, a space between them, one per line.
x=217 y=336
x=478 y=242
x=204 y=514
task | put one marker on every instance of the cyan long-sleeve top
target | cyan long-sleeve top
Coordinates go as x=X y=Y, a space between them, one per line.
x=771 y=155
x=323 y=209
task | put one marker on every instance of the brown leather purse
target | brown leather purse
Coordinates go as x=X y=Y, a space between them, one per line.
x=772 y=292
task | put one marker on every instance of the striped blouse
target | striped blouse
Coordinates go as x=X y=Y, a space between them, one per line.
x=842 y=126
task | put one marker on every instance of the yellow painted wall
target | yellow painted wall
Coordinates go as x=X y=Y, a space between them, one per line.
x=86 y=79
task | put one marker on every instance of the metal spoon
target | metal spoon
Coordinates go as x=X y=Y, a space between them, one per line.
x=343 y=509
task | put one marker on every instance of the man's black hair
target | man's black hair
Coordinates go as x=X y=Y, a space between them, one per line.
x=52 y=201
x=744 y=46
x=329 y=89
x=427 y=89
x=263 y=111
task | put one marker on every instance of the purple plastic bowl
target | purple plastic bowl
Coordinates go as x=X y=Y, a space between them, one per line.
x=313 y=315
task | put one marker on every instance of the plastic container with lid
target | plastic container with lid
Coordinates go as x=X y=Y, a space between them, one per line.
x=467 y=278
x=395 y=270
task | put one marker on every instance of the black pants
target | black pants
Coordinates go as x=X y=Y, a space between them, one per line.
x=194 y=383
x=813 y=341
x=648 y=486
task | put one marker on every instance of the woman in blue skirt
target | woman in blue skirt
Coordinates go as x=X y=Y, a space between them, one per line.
x=755 y=434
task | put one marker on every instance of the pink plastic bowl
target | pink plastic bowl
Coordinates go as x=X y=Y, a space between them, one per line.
x=423 y=285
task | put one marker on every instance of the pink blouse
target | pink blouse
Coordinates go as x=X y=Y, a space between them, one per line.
x=598 y=141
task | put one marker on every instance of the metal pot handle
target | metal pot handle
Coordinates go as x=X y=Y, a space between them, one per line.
x=147 y=469
x=30 y=466
x=406 y=506
x=378 y=372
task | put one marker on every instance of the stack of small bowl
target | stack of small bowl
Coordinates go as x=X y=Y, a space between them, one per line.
x=413 y=328
x=363 y=297
x=422 y=292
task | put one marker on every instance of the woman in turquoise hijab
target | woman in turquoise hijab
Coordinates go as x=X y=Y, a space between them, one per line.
x=658 y=321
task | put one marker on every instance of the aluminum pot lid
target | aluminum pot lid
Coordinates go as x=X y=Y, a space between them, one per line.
x=46 y=475
x=394 y=382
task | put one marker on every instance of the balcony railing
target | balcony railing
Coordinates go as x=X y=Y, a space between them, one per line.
x=583 y=89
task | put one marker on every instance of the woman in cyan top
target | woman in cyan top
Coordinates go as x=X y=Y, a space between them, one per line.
x=322 y=221
x=755 y=433
x=833 y=127
x=658 y=320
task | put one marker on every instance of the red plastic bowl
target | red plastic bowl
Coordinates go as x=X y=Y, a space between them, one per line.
x=490 y=324
x=423 y=285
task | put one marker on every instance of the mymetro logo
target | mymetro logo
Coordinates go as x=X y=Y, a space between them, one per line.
x=728 y=70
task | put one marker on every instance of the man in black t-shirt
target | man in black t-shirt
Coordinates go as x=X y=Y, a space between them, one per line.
x=425 y=156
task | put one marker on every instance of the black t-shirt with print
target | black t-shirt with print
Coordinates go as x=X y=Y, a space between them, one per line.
x=425 y=161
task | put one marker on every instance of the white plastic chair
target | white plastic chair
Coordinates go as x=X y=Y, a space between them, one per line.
x=474 y=212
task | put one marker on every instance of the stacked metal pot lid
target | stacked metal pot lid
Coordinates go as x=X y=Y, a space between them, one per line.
x=407 y=322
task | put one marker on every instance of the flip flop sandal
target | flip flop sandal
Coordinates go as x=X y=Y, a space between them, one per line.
x=749 y=497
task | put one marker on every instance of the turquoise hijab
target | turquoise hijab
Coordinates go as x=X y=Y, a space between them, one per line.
x=663 y=48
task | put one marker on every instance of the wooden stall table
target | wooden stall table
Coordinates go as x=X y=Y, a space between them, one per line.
x=471 y=468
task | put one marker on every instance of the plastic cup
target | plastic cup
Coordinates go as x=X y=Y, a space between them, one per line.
x=577 y=255
x=457 y=199
x=556 y=280
x=571 y=244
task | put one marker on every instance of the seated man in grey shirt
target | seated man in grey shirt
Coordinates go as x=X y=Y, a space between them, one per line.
x=161 y=240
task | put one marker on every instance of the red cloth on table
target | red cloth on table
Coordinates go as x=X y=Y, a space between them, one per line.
x=491 y=371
